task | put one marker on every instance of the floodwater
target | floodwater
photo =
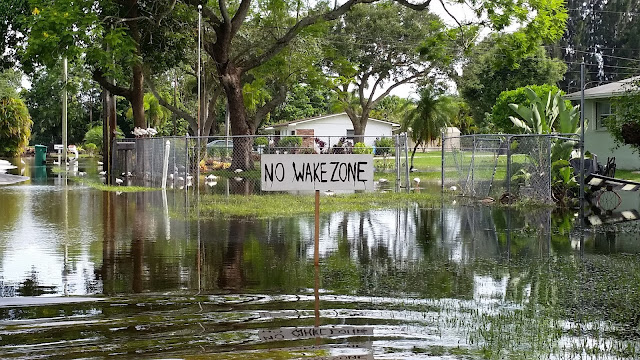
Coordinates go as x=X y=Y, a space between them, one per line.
x=90 y=274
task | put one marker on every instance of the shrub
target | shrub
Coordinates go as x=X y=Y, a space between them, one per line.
x=90 y=148
x=261 y=141
x=385 y=146
x=290 y=141
x=15 y=126
x=501 y=111
x=94 y=135
x=361 y=148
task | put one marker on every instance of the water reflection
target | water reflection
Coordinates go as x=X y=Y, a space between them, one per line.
x=422 y=277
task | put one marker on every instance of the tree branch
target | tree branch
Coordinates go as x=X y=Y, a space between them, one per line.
x=181 y=113
x=418 y=7
x=456 y=20
x=403 y=81
x=98 y=76
x=226 y=20
x=299 y=26
x=238 y=18
x=270 y=106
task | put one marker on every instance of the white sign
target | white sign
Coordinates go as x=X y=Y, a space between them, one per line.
x=58 y=147
x=316 y=172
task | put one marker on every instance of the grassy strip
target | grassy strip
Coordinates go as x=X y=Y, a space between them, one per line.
x=116 y=188
x=284 y=205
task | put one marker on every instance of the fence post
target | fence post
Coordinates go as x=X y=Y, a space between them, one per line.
x=550 y=193
x=397 y=158
x=473 y=164
x=406 y=159
x=165 y=165
x=442 y=162
x=186 y=159
x=509 y=167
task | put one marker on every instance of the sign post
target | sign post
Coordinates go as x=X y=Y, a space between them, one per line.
x=300 y=172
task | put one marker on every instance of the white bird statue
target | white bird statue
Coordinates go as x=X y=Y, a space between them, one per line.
x=100 y=163
x=212 y=183
x=237 y=171
x=119 y=181
x=237 y=178
x=211 y=177
x=102 y=173
x=416 y=180
x=383 y=181
x=453 y=188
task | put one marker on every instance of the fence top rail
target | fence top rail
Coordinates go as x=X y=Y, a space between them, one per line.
x=569 y=136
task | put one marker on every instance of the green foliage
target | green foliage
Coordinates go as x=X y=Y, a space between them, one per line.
x=303 y=101
x=261 y=141
x=94 y=136
x=290 y=142
x=492 y=69
x=91 y=148
x=625 y=125
x=15 y=126
x=385 y=146
x=157 y=116
x=361 y=148
x=500 y=113
x=547 y=115
x=9 y=83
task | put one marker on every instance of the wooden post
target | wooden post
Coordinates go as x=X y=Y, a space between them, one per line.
x=317 y=259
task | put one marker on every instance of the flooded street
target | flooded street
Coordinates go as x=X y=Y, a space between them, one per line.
x=148 y=278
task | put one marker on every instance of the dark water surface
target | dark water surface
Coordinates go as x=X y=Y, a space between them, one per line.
x=90 y=274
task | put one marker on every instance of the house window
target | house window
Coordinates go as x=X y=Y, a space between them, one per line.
x=350 y=134
x=293 y=132
x=603 y=111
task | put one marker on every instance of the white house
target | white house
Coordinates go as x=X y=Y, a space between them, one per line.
x=330 y=128
x=597 y=107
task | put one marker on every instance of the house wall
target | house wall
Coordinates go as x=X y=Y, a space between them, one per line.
x=331 y=129
x=600 y=142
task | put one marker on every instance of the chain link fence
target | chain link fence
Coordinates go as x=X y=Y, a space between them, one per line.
x=504 y=166
x=235 y=160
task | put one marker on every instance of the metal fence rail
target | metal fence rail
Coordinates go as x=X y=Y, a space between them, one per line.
x=236 y=159
x=490 y=165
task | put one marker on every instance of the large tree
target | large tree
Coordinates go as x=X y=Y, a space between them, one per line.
x=375 y=48
x=117 y=39
x=275 y=24
x=15 y=122
x=492 y=69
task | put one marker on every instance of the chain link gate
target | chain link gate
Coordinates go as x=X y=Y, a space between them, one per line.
x=499 y=165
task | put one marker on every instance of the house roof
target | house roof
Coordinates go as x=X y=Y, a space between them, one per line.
x=604 y=91
x=302 y=121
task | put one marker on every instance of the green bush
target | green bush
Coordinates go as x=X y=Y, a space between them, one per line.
x=90 y=148
x=500 y=112
x=385 y=146
x=290 y=141
x=261 y=141
x=94 y=136
x=361 y=148
x=15 y=126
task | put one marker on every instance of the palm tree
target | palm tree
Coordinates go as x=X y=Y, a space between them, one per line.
x=433 y=113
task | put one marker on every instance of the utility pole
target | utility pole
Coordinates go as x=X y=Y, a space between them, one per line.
x=64 y=112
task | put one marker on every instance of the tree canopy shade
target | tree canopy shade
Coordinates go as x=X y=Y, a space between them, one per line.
x=116 y=39
x=493 y=69
x=10 y=13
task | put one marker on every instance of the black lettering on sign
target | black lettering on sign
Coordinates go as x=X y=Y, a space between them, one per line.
x=333 y=174
x=281 y=167
x=308 y=175
x=299 y=175
x=361 y=170
x=322 y=172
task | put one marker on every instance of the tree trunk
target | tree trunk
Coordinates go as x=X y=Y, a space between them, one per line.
x=137 y=97
x=240 y=122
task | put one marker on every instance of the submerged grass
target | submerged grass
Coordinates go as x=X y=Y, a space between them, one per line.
x=283 y=205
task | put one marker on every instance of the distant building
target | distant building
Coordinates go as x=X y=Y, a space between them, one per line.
x=330 y=128
x=597 y=139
